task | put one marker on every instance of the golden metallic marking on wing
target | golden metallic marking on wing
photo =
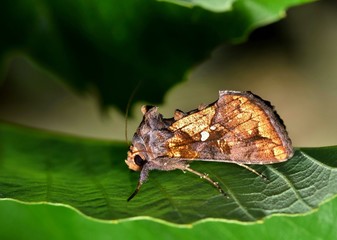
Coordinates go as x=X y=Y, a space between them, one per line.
x=239 y=129
x=247 y=120
x=194 y=123
x=187 y=130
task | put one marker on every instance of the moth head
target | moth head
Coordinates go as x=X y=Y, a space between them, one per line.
x=135 y=159
x=137 y=154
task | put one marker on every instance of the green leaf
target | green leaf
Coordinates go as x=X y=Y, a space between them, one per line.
x=55 y=222
x=212 y=5
x=90 y=175
x=112 y=45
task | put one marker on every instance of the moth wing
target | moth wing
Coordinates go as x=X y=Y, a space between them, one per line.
x=239 y=127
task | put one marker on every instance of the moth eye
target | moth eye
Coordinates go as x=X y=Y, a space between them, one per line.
x=139 y=161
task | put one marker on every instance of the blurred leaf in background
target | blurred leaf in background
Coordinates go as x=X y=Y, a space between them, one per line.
x=112 y=46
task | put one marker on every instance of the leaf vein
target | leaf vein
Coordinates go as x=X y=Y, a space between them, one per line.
x=98 y=185
x=232 y=195
x=291 y=186
x=169 y=198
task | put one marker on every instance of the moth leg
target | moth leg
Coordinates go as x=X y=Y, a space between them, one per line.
x=135 y=192
x=204 y=176
x=253 y=170
x=143 y=177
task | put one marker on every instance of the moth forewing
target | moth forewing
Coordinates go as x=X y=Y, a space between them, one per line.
x=239 y=127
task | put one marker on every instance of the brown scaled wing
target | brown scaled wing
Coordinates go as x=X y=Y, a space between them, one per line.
x=239 y=127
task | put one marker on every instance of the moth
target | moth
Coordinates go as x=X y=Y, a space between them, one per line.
x=239 y=128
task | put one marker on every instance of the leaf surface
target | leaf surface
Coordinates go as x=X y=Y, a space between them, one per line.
x=43 y=221
x=91 y=176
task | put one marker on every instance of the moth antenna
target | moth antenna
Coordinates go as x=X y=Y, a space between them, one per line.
x=136 y=191
x=127 y=111
x=204 y=176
